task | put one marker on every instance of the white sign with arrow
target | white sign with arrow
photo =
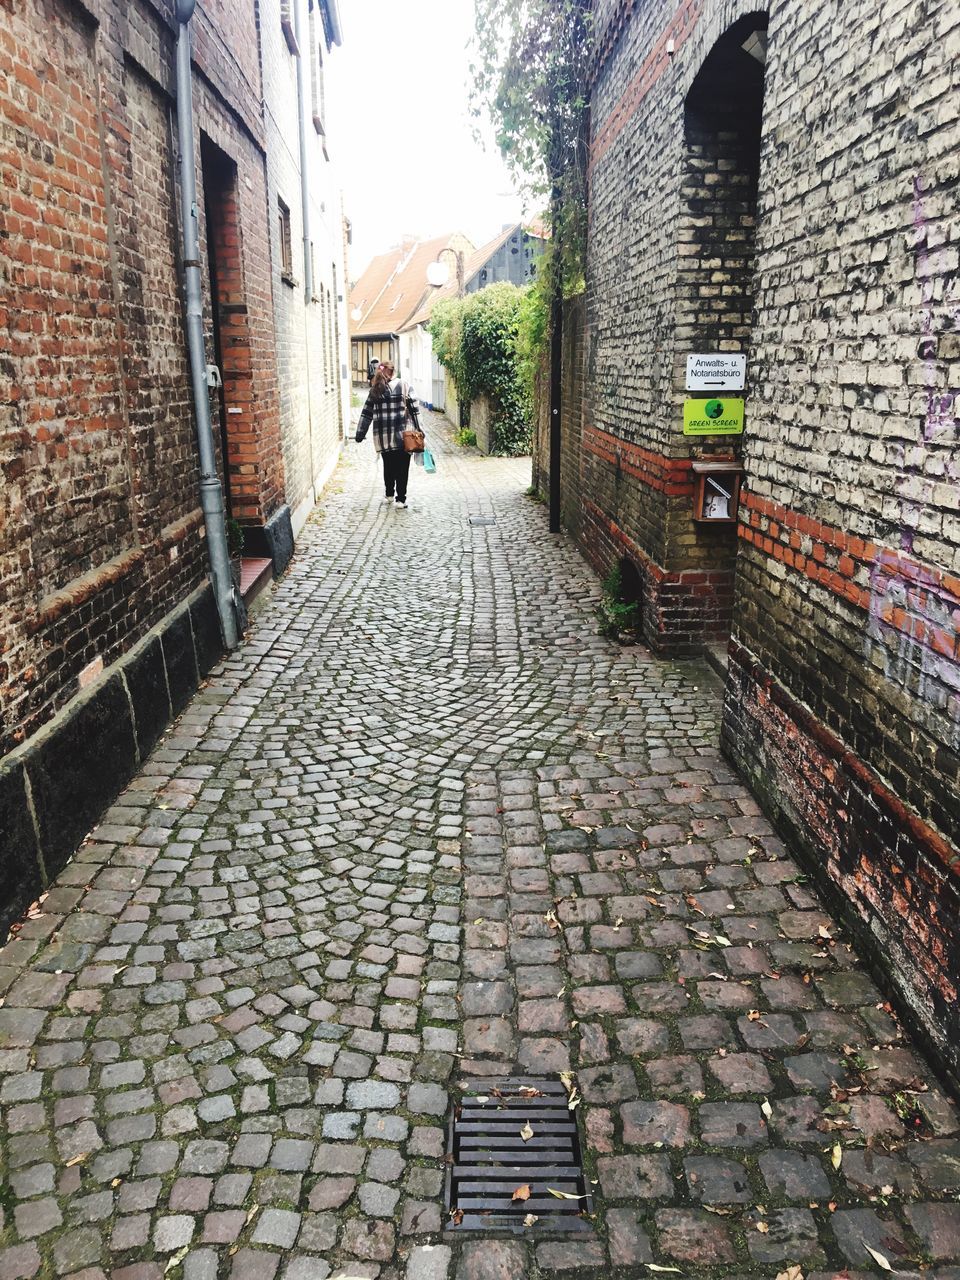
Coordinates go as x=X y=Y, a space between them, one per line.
x=716 y=371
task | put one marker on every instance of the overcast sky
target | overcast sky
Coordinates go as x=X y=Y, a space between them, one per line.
x=398 y=89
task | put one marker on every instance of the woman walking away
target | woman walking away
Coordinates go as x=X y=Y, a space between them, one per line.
x=389 y=403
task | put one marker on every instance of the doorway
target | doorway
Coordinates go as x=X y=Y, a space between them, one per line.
x=223 y=265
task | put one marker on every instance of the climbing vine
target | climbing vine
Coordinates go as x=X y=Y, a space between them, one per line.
x=476 y=339
x=530 y=78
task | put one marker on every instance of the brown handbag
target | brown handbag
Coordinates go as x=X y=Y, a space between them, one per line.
x=414 y=440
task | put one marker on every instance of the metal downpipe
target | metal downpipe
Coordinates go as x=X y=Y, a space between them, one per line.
x=211 y=491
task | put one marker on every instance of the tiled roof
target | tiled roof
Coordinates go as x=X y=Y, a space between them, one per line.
x=394 y=286
x=474 y=264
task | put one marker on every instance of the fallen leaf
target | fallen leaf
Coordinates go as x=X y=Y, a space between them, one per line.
x=526 y=1133
x=530 y=1219
x=878 y=1258
x=528 y=1091
x=456 y=1216
x=552 y=920
x=619 y=922
x=712 y=1208
x=836 y=1155
x=573 y=1101
x=176 y=1259
x=77 y=1159
x=522 y=1193
x=791 y=1273
x=566 y=1078
x=564 y=1195
x=724 y=942
x=652 y=1266
x=766 y=1108
x=824 y=932
x=763 y=1227
x=754 y=1015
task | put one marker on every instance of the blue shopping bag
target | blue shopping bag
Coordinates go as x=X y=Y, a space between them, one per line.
x=428 y=461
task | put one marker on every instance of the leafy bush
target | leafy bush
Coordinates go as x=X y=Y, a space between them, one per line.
x=466 y=437
x=235 y=537
x=476 y=339
x=619 y=618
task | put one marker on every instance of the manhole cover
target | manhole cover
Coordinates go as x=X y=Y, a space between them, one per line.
x=483 y=519
x=512 y=1135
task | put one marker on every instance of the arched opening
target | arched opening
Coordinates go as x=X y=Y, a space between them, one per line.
x=631 y=586
x=723 y=114
x=722 y=122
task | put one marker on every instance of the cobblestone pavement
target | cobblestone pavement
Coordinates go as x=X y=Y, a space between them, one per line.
x=427 y=824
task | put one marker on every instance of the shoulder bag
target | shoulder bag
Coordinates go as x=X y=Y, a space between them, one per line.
x=414 y=440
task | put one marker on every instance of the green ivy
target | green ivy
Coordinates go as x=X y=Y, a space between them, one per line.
x=478 y=340
x=530 y=77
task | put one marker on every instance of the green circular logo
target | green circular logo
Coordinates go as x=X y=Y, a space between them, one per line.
x=713 y=408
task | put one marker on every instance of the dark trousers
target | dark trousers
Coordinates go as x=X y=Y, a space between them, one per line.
x=396 y=469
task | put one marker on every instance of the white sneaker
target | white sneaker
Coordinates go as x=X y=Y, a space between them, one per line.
x=388 y=498
x=401 y=505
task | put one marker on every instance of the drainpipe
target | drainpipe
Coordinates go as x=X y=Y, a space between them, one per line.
x=211 y=493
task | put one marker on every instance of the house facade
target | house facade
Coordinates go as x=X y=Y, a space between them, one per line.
x=511 y=257
x=107 y=617
x=392 y=298
x=772 y=306
x=425 y=273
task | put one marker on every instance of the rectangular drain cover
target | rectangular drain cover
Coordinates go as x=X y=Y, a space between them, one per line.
x=509 y=1133
x=483 y=519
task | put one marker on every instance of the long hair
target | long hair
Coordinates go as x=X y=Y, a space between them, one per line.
x=381 y=380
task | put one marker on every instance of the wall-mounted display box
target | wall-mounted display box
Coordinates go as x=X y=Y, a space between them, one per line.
x=717 y=492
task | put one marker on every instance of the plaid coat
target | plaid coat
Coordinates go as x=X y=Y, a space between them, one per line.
x=389 y=416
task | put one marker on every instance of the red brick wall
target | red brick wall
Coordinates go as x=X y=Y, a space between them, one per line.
x=101 y=533
x=843 y=702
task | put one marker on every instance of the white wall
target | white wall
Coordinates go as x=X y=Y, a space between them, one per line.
x=416 y=362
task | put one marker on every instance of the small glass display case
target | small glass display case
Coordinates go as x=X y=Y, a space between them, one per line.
x=717 y=491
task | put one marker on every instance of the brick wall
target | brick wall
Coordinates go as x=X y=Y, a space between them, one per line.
x=102 y=537
x=838 y=279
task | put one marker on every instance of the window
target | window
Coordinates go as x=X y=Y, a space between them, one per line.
x=286 y=242
x=287 y=26
x=318 y=104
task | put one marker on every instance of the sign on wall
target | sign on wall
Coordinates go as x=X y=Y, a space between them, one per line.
x=716 y=371
x=714 y=417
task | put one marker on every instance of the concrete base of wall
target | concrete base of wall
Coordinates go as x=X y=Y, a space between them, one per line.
x=890 y=877
x=54 y=788
x=273 y=541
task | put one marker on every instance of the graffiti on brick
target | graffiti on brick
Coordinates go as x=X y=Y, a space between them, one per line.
x=914 y=625
x=943 y=404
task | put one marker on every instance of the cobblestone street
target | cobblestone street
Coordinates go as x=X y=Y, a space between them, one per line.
x=426 y=824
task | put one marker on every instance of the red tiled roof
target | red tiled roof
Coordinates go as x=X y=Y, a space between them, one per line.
x=473 y=264
x=394 y=286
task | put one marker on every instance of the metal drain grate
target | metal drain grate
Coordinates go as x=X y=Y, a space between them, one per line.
x=482 y=519
x=489 y=1159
